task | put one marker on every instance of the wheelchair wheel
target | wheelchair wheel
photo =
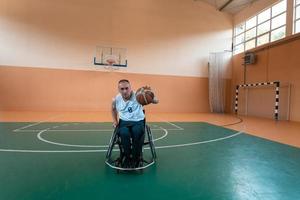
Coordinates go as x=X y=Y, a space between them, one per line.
x=151 y=143
x=117 y=163
x=112 y=142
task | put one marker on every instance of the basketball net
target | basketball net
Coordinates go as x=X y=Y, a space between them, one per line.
x=110 y=60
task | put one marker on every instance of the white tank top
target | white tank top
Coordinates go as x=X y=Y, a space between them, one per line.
x=129 y=110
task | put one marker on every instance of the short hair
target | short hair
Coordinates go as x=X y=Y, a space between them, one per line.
x=124 y=81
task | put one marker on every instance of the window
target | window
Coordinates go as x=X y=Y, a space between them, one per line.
x=250 y=44
x=267 y=26
x=263 y=28
x=264 y=16
x=297 y=16
x=278 y=8
x=278 y=34
x=239 y=48
x=251 y=23
x=278 y=21
x=297 y=26
x=251 y=33
x=263 y=39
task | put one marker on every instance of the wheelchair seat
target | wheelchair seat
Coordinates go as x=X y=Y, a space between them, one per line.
x=116 y=159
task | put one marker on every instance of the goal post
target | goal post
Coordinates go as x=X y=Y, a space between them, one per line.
x=276 y=84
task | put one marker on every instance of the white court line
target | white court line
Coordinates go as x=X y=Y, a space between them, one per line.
x=66 y=124
x=201 y=142
x=84 y=130
x=178 y=127
x=69 y=130
x=36 y=123
x=89 y=151
x=39 y=136
x=50 y=151
x=166 y=121
x=47 y=120
x=104 y=150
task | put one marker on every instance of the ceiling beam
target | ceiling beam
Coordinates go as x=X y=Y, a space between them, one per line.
x=225 y=5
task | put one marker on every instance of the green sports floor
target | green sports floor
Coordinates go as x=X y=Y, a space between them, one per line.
x=195 y=161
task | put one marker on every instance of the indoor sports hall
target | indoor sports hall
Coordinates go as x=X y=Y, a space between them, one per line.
x=213 y=84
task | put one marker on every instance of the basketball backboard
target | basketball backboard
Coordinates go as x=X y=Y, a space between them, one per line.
x=110 y=56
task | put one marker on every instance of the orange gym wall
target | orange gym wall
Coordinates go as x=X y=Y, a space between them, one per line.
x=275 y=61
x=280 y=62
x=47 y=49
x=38 y=89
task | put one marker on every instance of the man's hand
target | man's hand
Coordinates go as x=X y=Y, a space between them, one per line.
x=147 y=87
x=115 y=124
x=155 y=100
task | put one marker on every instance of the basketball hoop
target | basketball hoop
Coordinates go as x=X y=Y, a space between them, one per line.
x=110 y=60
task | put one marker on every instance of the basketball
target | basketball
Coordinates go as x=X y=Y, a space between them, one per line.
x=144 y=96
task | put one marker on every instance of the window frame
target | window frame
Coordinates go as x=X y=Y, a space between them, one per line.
x=258 y=24
x=295 y=20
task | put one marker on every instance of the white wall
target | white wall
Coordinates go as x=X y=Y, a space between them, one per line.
x=171 y=37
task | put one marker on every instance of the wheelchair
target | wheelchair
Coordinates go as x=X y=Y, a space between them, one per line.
x=116 y=161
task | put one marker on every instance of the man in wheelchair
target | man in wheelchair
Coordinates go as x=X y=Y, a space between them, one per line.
x=129 y=119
